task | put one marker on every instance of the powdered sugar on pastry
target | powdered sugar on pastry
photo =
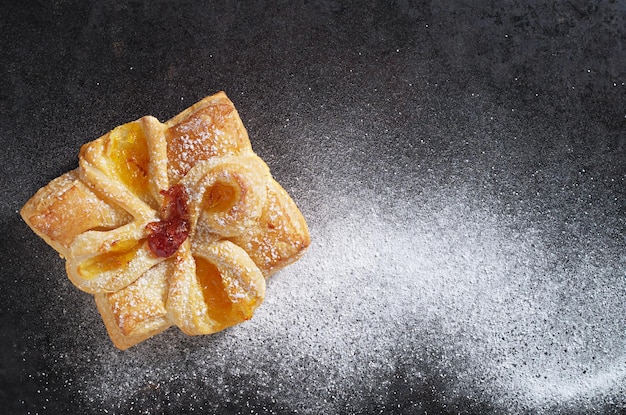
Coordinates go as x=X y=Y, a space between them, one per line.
x=192 y=195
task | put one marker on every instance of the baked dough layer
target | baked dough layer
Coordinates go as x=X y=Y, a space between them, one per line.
x=242 y=226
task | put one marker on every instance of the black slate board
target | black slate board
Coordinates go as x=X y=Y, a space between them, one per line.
x=461 y=166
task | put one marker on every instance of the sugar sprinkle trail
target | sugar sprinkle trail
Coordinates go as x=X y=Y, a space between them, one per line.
x=450 y=299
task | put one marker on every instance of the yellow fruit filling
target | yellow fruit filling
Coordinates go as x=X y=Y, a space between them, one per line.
x=220 y=308
x=220 y=197
x=128 y=151
x=119 y=256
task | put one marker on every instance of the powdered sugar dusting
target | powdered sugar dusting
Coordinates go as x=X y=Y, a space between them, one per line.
x=441 y=295
x=211 y=131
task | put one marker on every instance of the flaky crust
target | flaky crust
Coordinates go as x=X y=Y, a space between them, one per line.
x=243 y=226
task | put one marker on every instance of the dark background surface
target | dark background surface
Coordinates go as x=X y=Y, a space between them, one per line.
x=461 y=165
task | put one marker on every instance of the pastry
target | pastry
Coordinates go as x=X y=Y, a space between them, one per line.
x=175 y=223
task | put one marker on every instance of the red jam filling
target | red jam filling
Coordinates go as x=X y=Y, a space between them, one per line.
x=166 y=236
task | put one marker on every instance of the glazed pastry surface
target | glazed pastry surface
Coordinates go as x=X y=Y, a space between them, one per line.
x=175 y=223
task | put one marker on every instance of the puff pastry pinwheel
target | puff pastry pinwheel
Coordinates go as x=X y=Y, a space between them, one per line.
x=175 y=223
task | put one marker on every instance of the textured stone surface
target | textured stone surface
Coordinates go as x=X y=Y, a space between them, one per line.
x=461 y=165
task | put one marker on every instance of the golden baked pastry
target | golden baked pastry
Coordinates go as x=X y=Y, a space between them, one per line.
x=171 y=224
